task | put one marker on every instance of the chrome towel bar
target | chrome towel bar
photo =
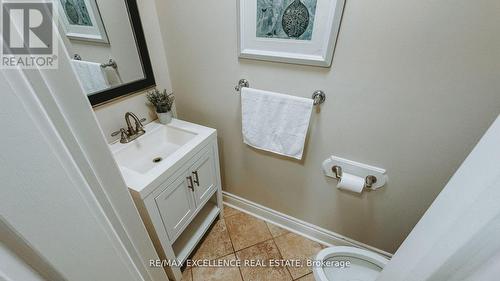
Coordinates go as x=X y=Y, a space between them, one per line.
x=243 y=83
x=318 y=96
x=111 y=63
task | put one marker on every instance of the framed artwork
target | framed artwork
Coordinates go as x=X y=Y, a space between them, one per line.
x=81 y=20
x=290 y=31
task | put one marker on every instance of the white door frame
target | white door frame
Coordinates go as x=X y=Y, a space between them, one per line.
x=464 y=216
x=64 y=114
x=459 y=233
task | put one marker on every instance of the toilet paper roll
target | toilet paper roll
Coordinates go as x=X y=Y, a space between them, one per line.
x=351 y=183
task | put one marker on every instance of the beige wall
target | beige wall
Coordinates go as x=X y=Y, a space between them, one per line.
x=111 y=115
x=122 y=47
x=414 y=84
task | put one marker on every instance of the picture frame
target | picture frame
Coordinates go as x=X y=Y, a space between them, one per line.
x=289 y=31
x=81 y=20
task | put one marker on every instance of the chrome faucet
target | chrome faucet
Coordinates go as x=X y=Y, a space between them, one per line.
x=131 y=133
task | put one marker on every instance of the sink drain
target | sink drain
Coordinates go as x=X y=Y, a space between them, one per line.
x=157 y=160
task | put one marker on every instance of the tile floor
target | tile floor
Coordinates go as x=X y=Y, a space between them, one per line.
x=244 y=237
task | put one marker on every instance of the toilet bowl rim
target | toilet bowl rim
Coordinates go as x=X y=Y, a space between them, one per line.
x=366 y=255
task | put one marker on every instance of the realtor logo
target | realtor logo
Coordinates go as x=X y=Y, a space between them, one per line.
x=28 y=35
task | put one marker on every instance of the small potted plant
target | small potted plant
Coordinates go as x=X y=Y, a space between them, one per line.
x=162 y=101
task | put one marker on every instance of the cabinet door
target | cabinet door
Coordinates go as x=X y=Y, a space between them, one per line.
x=204 y=177
x=176 y=206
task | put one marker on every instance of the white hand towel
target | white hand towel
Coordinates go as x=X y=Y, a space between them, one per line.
x=275 y=122
x=113 y=76
x=91 y=76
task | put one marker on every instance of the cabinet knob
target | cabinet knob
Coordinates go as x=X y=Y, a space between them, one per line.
x=196 y=178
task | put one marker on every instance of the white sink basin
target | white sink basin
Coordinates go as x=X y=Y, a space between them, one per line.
x=145 y=160
x=149 y=150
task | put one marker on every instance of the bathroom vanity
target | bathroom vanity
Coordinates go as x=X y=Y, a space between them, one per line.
x=173 y=174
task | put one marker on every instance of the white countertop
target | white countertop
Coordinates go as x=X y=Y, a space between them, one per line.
x=145 y=182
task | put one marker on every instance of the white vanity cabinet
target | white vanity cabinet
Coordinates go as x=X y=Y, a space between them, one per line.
x=176 y=207
x=204 y=177
x=180 y=196
x=187 y=192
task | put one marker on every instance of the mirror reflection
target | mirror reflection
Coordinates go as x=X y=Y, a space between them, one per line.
x=100 y=36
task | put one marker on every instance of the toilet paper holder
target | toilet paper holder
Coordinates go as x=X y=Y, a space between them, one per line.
x=369 y=180
x=335 y=167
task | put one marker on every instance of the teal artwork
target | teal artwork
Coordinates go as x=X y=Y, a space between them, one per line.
x=286 y=19
x=76 y=12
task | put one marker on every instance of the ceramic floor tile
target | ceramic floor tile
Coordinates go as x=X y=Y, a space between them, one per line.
x=217 y=273
x=309 y=277
x=216 y=243
x=276 y=230
x=246 y=230
x=262 y=253
x=228 y=211
x=186 y=275
x=295 y=247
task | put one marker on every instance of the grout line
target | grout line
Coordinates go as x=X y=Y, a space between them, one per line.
x=231 y=215
x=286 y=234
x=238 y=212
x=234 y=250
x=287 y=268
x=253 y=245
x=278 y=248
x=268 y=229
x=235 y=255
x=300 y=276
x=241 y=273
x=310 y=231
x=279 y=251
x=270 y=234
x=287 y=231
x=281 y=256
x=267 y=221
x=206 y=237
x=230 y=240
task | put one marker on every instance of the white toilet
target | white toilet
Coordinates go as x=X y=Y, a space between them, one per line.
x=348 y=264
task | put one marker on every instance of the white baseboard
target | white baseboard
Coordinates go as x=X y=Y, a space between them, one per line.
x=295 y=225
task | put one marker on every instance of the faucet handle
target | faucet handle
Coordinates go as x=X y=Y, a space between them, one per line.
x=114 y=134
x=123 y=138
x=139 y=126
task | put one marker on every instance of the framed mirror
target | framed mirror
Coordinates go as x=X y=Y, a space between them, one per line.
x=106 y=40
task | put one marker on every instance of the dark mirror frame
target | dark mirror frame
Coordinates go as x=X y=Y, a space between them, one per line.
x=148 y=81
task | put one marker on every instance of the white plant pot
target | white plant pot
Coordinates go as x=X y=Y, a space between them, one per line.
x=165 y=118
